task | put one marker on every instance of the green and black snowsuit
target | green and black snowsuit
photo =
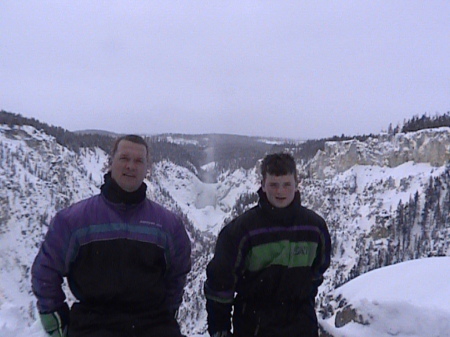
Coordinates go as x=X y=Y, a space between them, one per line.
x=267 y=266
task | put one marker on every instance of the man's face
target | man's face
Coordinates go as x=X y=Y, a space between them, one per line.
x=129 y=165
x=280 y=190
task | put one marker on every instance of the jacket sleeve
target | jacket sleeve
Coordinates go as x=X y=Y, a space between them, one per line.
x=222 y=275
x=323 y=255
x=48 y=268
x=179 y=265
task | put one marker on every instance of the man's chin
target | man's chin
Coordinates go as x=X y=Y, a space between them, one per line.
x=129 y=187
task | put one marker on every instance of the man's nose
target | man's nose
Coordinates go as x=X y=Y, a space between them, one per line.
x=130 y=165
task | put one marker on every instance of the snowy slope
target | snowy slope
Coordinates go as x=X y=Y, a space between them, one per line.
x=359 y=205
x=409 y=299
x=357 y=195
x=207 y=205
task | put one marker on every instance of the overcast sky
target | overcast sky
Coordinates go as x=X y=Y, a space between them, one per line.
x=296 y=69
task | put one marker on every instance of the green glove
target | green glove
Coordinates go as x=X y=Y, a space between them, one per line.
x=55 y=323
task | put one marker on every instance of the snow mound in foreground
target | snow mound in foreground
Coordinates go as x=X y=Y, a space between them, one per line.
x=407 y=299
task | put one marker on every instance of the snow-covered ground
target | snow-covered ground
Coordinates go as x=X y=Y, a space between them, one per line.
x=409 y=299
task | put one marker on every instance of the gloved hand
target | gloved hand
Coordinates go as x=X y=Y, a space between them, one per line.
x=55 y=323
x=222 y=334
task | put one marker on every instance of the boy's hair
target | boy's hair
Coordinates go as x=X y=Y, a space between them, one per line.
x=131 y=138
x=278 y=164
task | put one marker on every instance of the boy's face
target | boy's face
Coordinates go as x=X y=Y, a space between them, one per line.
x=280 y=190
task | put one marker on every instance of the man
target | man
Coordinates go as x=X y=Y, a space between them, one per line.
x=125 y=258
x=269 y=262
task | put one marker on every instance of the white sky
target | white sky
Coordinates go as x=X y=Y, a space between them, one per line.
x=297 y=69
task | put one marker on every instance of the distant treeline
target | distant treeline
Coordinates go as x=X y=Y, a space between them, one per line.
x=308 y=149
x=229 y=152
x=71 y=140
x=426 y=122
x=186 y=155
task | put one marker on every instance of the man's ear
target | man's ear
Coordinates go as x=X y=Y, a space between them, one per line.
x=262 y=185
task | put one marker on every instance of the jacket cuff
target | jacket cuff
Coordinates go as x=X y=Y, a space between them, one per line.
x=55 y=323
x=219 y=317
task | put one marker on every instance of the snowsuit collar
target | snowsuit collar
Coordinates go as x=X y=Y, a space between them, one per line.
x=114 y=193
x=285 y=215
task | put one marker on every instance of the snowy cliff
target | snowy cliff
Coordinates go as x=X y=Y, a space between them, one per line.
x=386 y=200
x=430 y=146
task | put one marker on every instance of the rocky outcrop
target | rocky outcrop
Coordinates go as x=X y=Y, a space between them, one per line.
x=347 y=315
x=425 y=146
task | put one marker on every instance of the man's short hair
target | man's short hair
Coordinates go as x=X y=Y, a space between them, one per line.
x=131 y=138
x=278 y=164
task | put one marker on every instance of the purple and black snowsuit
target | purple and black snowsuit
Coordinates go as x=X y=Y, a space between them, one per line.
x=125 y=258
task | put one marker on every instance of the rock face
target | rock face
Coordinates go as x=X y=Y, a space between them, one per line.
x=425 y=146
x=347 y=315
